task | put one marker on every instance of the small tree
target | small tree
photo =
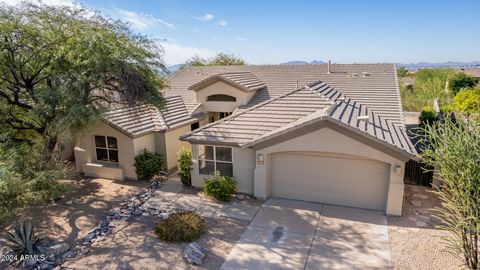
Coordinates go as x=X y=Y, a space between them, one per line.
x=454 y=150
x=459 y=81
x=221 y=59
x=185 y=166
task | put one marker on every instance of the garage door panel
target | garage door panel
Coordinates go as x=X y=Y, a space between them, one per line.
x=337 y=180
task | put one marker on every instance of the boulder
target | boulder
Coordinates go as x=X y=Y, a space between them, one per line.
x=194 y=254
x=68 y=202
x=59 y=249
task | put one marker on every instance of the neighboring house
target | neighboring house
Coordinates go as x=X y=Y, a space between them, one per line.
x=474 y=72
x=332 y=134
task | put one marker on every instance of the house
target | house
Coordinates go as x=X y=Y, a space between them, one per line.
x=326 y=133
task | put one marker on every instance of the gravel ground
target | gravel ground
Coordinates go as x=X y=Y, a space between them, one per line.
x=135 y=246
x=415 y=242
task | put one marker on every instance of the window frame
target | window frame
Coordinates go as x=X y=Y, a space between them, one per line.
x=105 y=148
x=227 y=98
x=214 y=158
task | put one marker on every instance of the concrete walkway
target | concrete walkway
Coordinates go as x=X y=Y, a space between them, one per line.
x=288 y=234
x=170 y=196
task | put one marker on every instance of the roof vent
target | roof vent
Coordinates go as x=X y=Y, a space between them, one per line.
x=341 y=98
x=362 y=118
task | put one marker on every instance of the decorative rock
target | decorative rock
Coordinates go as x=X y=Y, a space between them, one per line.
x=164 y=215
x=421 y=224
x=241 y=197
x=89 y=237
x=30 y=263
x=59 y=249
x=416 y=203
x=194 y=254
x=68 y=254
x=68 y=203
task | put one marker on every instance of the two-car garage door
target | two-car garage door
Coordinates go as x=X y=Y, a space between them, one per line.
x=334 y=179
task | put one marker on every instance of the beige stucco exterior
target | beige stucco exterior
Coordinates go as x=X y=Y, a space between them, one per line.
x=173 y=145
x=222 y=88
x=386 y=171
x=243 y=168
x=326 y=140
x=85 y=157
x=165 y=143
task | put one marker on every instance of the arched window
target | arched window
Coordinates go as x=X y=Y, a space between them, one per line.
x=221 y=98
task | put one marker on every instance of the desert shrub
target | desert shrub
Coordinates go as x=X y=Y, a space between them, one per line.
x=185 y=166
x=180 y=227
x=26 y=177
x=23 y=240
x=460 y=81
x=455 y=153
x=467 y=101
x=220 y=187
x=148 y=164
x=427 y=116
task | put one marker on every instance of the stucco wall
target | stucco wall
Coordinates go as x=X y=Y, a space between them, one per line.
x=173 y=145
x=85 y=149
x=222 y=88
x=330 y=141
x=243 y=168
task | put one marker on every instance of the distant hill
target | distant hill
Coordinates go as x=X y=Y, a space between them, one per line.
x=298 y=62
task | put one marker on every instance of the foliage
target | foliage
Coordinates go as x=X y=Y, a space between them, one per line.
x=221 y=59
x=185 y=166
x=402 y=72
x=455 y=152
x=220 y=187
x=427 y=116
x=181 y=227
x=429 y=84
x=60 y=67
x=27 y=177
x=461 y=81
x=148 y=164
x=23 y=240
x=467 y=101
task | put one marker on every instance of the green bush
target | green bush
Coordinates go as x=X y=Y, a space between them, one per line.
x=185 y=166
x=427 y=116
x=181 y=227
x=148 y=164
x=460 y=81
x=220 y=187
x=467 y=101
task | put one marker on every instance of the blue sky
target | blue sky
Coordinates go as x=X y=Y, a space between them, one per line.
x=269 y=32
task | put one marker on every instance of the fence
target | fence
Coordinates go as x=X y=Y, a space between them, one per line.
x=415 y=173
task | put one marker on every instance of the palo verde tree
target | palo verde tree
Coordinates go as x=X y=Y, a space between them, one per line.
x=454 y=150
x=60 y=67
x=220 y=59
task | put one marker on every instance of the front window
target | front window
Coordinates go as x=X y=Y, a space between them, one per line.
x=215 y=158
x=106 y=148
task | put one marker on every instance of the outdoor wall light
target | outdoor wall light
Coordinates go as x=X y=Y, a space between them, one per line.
x=260 y=159
x=397 y=169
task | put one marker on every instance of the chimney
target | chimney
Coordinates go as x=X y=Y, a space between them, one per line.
x=328 y=66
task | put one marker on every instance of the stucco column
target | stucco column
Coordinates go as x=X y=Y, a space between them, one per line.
x=395 y=190
x=260 y=182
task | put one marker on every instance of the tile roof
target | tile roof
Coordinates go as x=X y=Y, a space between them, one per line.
x=316 y=102
x=365 y=89
x=243 y=80
x=373 y=85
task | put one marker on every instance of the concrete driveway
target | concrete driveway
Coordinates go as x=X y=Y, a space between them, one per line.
x=289 y=234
